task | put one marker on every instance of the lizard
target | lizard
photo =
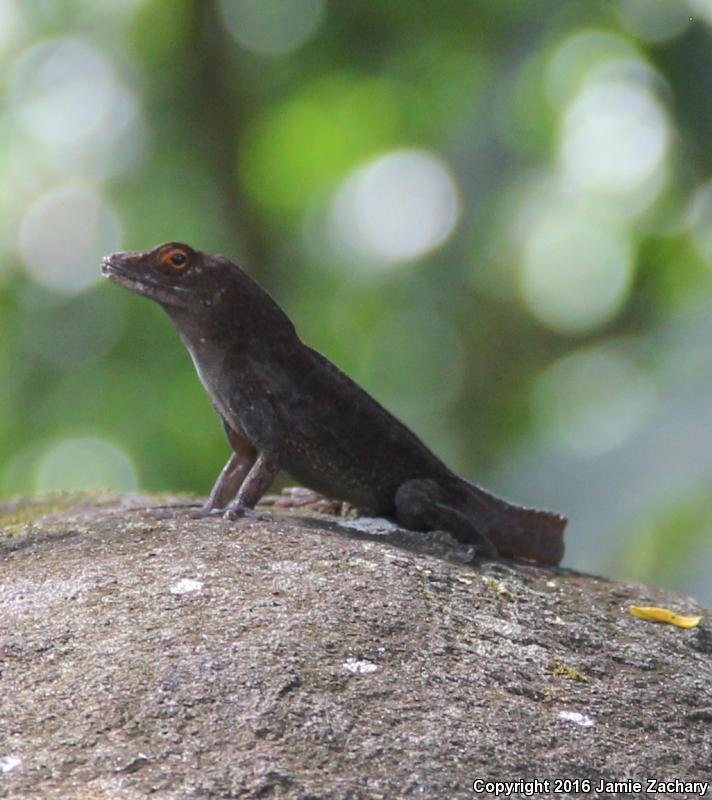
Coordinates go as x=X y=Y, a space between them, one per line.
x=285 y=406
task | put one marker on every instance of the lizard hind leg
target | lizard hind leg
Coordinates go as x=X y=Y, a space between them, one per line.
x=422 y=504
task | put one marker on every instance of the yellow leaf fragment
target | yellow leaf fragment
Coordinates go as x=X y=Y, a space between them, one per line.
x=656 y=614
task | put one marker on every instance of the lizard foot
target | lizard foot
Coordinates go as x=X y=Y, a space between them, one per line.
x=238 y=511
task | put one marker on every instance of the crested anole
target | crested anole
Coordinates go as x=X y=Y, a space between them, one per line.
x=285 y=406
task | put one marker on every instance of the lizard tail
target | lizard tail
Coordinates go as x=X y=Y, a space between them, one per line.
x=520 y=532
x=535 y=536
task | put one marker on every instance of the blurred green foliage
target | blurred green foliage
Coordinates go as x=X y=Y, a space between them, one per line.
x=496 y=216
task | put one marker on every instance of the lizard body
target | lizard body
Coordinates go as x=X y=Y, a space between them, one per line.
x=285 y=406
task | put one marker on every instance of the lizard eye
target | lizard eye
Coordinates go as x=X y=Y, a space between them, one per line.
x=175 y=258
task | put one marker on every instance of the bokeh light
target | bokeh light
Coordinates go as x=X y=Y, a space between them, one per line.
x=65 y=91
x=578 y=55
x=395 y=208
x=575 y=272
x=591 y=401
x=64 y=235
x=271 y=26
x=615 y=133
x=85 y=463
x=614 y=130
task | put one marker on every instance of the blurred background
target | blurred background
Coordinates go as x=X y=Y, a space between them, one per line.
x=496 y=216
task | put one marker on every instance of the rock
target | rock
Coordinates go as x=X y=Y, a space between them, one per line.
x=146 y=653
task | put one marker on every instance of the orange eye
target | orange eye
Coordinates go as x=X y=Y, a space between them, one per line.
x=176 y=258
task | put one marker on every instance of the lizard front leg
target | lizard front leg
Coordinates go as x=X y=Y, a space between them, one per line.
x=258 y=480
x=229 y=481
x=232 y=474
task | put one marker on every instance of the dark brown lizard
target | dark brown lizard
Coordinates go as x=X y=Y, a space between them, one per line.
x=285 y=406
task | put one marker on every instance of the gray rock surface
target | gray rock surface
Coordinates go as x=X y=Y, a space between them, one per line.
x=147 y=654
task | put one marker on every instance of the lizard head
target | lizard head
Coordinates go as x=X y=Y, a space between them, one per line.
x=172 y=274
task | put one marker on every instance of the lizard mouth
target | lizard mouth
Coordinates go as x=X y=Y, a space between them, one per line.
x=113 y=271
x=146 y=285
